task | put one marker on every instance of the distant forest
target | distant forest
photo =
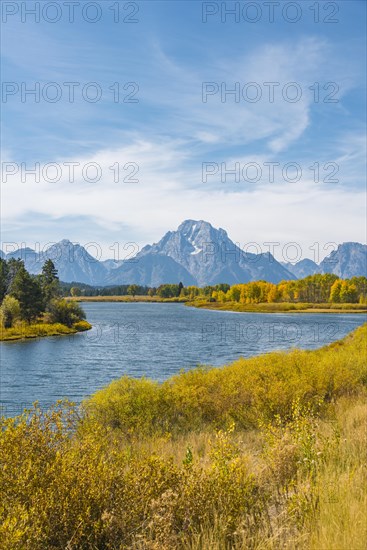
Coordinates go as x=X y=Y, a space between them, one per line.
x=312 y=289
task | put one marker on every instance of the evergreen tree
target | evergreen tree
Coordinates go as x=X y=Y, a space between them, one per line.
x=49 y=282
x=27 y=291
x=13 y=268
x=4 y=277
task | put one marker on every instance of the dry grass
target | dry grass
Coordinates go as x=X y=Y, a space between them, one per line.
x=289 y=474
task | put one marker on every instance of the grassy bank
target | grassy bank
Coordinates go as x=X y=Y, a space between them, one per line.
x=248 y=389
x=266 y=453
x=123 y=299
x=281 y=307
x=25 y=330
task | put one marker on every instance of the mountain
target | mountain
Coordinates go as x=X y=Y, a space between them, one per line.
x=348 y=260
x=150 y=270
x=303 y=268
x=210 y=256
x=29 y=257
x=195 y=254
x=111 y=264
x=72 y=261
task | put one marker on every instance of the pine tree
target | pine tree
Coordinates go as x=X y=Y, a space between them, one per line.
x=49 y=282
x=27 y=291
x=13 y=268
x=4 y=275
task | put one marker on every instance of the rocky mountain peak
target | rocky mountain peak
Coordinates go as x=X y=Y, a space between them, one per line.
x=195 y=253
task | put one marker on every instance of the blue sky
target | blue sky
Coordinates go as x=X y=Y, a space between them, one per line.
x=167 y=135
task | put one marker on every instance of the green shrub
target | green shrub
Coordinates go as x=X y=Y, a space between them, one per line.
x=97 y=480
x=67 y=313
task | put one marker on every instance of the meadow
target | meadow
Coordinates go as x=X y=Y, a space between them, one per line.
x=266 y=453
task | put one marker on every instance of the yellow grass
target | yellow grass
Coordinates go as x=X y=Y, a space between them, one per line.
x=233 y=306
x=268 y=453
x=36 y=330
x=281 y=307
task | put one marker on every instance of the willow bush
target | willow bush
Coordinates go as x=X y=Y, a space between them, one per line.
x=274 y=458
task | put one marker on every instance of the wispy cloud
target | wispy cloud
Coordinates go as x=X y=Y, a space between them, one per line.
x=172 y=131
x=162 y=198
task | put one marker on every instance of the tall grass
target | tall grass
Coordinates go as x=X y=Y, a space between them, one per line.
x=267 y=453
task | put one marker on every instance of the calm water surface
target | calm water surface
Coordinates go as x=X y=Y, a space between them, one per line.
x=152 y=340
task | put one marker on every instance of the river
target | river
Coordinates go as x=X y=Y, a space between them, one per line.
x=154 y=340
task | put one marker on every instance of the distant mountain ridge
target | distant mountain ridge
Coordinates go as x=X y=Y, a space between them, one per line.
x=303 y=268
x=348 y=260
x=208 y=257
x=195 y=254
x=73 y=262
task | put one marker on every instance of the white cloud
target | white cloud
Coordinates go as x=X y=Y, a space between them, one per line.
x=304 y=212
x=180 y=132
x=285 y=70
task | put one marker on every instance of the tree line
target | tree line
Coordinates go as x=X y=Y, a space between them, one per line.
x=28 y=298
x=312 y=289
x=163 y=291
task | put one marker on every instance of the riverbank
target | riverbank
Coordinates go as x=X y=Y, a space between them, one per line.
x=267 y=452
x=281 y=307
x=37 y=330
x=129 y=299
